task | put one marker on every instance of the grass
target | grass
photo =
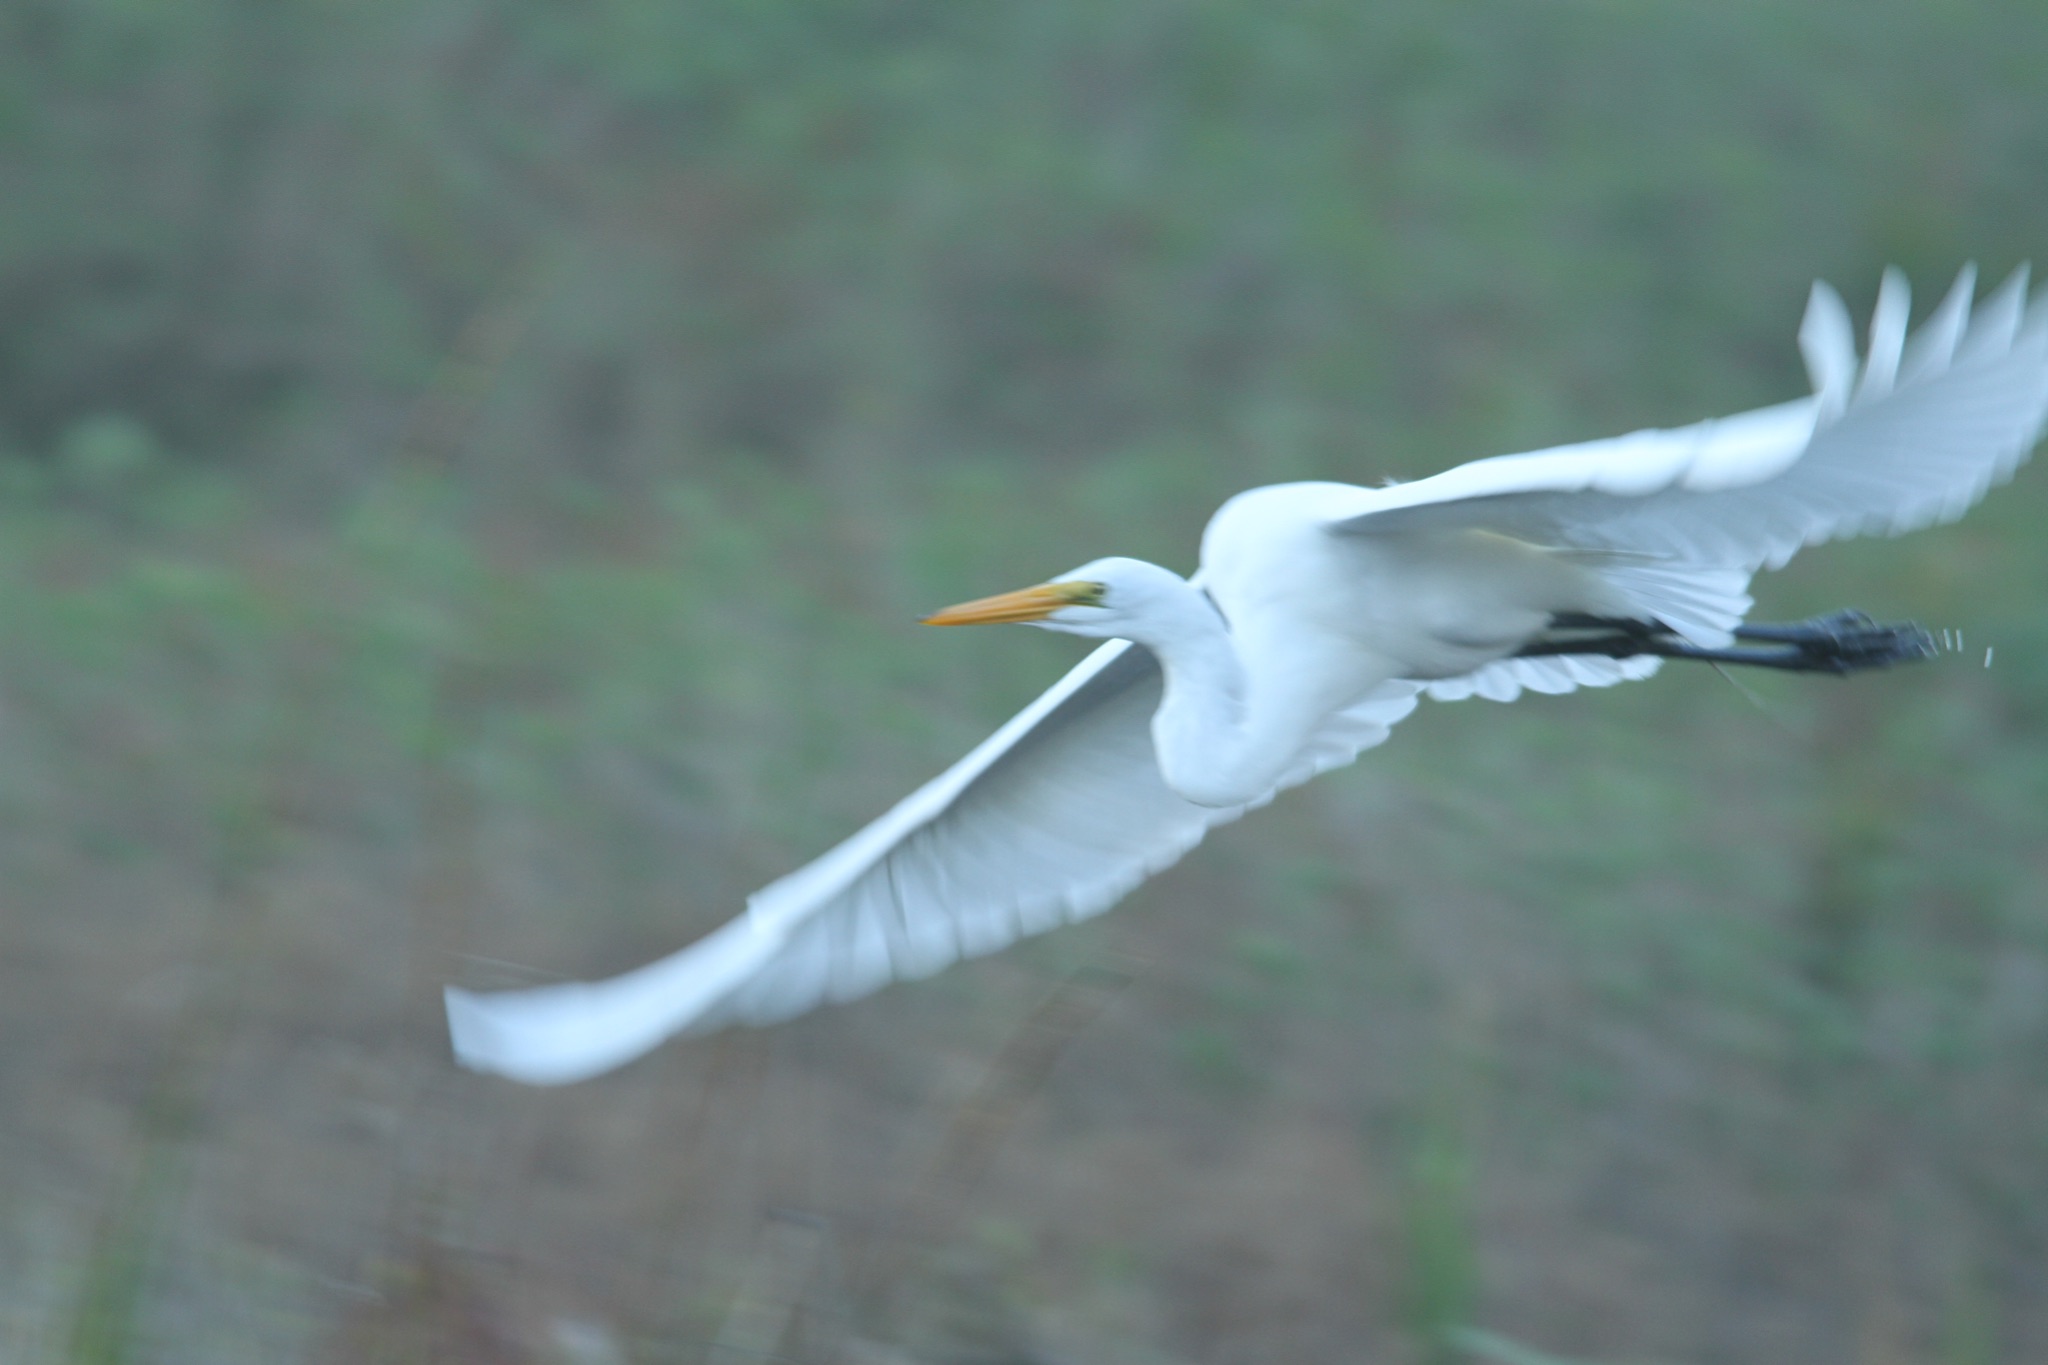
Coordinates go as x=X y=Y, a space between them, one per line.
x=510 y=561
x=1754 y=936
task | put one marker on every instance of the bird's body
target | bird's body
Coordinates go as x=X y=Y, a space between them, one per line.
x=1320 y=613
x=1287 y=624
x=1425 y=604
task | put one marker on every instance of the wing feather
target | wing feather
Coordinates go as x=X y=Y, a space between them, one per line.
x=1933 y=424
x=1887 y=335
x=1053 y=819
x=1506 y=679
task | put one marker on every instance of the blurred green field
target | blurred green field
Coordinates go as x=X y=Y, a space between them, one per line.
x=468 y=476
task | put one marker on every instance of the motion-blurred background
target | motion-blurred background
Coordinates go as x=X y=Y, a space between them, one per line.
x=469 y=474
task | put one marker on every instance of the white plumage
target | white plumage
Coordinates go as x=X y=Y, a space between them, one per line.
x=1321 y=612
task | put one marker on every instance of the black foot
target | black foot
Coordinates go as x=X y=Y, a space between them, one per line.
x=1841 y=642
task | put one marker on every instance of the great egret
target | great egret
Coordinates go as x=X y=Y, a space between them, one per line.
x=1320 y=614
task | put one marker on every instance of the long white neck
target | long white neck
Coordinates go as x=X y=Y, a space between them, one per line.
x=1210 y=746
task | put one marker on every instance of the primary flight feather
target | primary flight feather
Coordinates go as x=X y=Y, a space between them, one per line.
x=1320 y=614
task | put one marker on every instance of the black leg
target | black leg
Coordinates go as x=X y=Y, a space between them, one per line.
x=1841 y=642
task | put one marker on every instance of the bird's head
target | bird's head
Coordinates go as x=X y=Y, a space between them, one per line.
x=1108 y=598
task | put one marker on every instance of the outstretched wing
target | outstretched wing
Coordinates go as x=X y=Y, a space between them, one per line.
x=1052 y=819
x=1913 y=435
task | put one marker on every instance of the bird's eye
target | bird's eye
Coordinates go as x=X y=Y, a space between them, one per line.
x=1078 y=592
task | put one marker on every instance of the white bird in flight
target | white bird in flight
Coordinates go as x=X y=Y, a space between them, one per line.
x=1320 y=614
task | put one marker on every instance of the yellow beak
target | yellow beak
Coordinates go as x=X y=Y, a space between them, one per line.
x=1026 y=604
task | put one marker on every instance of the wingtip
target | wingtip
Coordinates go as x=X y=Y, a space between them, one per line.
x=1933 y=346
x=1998 y=319
x=477 y=1044
x=1827 y=341
x=1888 y=320
x=484 y=1038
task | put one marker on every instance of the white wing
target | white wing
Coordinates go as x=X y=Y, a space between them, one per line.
x=1506 y=679
x=1913 y=435
x=1052 y=819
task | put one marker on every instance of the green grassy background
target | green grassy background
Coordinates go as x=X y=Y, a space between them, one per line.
x=469 y=474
